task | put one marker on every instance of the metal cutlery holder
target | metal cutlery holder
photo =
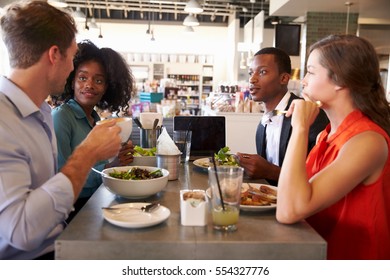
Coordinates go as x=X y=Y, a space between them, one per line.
x=148 y=137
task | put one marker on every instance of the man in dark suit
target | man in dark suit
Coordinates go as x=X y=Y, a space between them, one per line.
x=269 y=77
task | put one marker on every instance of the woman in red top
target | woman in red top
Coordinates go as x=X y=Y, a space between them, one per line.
x=343 y=187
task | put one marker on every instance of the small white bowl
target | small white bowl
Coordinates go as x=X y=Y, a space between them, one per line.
x=134 y=189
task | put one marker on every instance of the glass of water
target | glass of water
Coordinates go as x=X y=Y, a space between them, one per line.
x=182 y=139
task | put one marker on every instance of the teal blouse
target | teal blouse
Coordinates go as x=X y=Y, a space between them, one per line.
x=72 y=127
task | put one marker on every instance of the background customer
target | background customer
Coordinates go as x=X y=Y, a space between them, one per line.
x=34 y=198
x=343 y=187
x=269 y=77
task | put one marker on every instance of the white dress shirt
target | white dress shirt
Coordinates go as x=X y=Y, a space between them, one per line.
x=34 y=200
x=273 y=131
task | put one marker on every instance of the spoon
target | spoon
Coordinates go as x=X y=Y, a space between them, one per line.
x=137 y=122
x=99 y=172
x=153 y=134
x=155 y=124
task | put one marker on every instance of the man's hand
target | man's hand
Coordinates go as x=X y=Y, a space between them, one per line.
x=257 y=167
x=102 y=142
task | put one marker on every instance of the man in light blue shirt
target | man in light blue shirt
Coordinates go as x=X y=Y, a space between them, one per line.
x=34 y=200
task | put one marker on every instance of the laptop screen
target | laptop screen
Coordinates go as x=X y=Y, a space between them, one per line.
x=208 y=133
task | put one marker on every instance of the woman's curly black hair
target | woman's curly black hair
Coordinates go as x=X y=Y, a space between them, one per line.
x=120 y=81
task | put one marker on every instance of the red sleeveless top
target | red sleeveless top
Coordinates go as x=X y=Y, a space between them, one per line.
x=358 y=225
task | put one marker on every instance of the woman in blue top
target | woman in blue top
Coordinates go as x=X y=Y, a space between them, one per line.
x=100 y=79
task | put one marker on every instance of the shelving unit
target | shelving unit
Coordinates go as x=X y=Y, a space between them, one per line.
x=188 y=90
x=207 y=81
x=158 y=71
x=192 y=78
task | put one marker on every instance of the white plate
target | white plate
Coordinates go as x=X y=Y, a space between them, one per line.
x=251 y=208
x=135 y=218
x=202 y=163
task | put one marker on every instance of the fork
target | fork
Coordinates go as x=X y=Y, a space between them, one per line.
x=282 y=112
x=147 y=208
x=278 y=112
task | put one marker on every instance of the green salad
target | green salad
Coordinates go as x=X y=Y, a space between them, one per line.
x=136 y=174
x=141 y=152
x=223 y=157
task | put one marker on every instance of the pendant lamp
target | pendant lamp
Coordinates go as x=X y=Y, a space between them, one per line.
x=58 y=3
x=193 y=7
x=190 y=20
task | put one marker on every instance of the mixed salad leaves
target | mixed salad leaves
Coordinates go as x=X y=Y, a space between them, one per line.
x=141 y=152
x=223 y=157
x=136 y=174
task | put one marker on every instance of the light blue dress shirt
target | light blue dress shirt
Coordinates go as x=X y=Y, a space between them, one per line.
x=34 y=199
x=72 y=127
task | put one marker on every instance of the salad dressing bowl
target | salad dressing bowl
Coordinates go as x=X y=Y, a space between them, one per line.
x=134 y=189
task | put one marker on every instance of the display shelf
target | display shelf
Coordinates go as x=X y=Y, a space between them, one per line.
x=185 y=80
x=207 y=80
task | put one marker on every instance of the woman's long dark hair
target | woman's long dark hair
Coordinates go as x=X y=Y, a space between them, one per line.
x=352 y=62
x=120 y=81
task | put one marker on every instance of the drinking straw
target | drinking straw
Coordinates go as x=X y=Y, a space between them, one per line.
x=219 y=186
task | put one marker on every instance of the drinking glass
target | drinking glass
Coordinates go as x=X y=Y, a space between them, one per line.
x=182 y=139
x=225 y=196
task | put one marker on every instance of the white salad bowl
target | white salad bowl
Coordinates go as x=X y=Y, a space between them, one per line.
x=134 y=189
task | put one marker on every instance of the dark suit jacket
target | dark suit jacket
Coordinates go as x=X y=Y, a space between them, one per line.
x=318 y=125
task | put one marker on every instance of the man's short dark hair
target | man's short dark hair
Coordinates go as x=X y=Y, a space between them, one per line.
x=282 y=59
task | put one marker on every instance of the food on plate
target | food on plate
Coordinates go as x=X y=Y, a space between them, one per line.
x=268 y=190
x=141 y=152
x=258 y=197
x=204 y=163
x=196 y=195
x=223 y=157
x=136 y=174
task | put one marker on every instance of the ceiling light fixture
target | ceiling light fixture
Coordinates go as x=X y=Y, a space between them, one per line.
x=78 y=15
x=58 y=3
x=152 y=29
x=149 y=29
x=193 y=7
x=86 y=27
x=188 y=29
x=93 y=24
x=100 y=26
x=348 y=4
x=191 y=20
